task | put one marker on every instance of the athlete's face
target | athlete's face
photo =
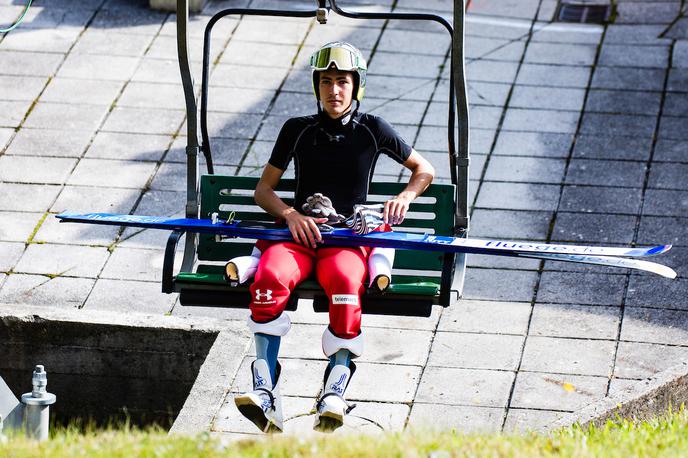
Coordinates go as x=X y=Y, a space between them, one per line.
x=336 y=91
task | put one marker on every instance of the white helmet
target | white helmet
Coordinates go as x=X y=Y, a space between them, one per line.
x=342 y=56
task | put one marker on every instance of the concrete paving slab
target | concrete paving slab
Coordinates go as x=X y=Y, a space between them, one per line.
x=635 y=33
x=18 y=226
x=129 y=147
x=575 y=321
x=470 y=419
x=555 y=391
x=675 y=105
x=60 y=292
x=494 y=49
x=12 y=113
x=561 y=54
x=568 y=356
x=537 y=144
x=671 y=294
x=536 y=120
x=143 y=121
x=520 y=196
x=596 y=173
x=671 y=230
x=243 y=52
x=668 y=176
x=386 y=63
x=654 y=325
x=161 y=70
x=678 y=80
x=526 y=225
x=414 y=42
x=51 y=231
x=514 y=285
x=126 y=296
x=486 y=316
x=565 y=33
x=10 y=252
x=49 y=142
x=547 y=98
x=66 y=116
x=666 y=203
x=29 y=63
x=27 y=197
x=560 y=287
x=236 y=125
x=389 y=87
x=476 y=351
x=152 y=95
x=594 y=228
x=90 y=66
x=525 y=169
x=610 y=147
x=95 y=92
x=491 y=71
x=134 y=264
x=642 y=360
x=670 y=128
x=21 y=87
x=225 y=314
x=653 y=13
x=529 y=420
x=98 y=41
x=88 y=199
x=403 y=111
x=626 y=55
x=43 y=40
x=134 y=19
x=616 y=124
x=31 y=169
x=300 y=377
x=280 y=33
x=112 y=173
x=5 y=135
x=630 y=102
x=477 y=388
x=564 y=76
x=600 y=199
x=63 y=260
x=628 y=78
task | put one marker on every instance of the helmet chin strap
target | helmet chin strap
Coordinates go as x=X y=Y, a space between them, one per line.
x=343 y=119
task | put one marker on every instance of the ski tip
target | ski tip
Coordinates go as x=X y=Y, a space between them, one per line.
x=649 y=251
x=659 y=249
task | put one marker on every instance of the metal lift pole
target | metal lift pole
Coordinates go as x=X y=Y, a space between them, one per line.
x=462 y=154
x=192 y=197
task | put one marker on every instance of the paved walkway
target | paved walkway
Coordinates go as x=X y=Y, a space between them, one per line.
x=578 y=135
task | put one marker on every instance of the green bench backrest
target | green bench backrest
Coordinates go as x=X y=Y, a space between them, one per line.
x=433 y=212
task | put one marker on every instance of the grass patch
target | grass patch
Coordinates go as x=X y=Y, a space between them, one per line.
x=662 y=437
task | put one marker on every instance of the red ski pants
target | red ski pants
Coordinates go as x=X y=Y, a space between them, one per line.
x=340 y=271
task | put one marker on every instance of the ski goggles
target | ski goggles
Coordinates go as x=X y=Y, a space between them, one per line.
x=342 y=58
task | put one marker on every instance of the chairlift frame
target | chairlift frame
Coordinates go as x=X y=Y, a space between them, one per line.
x=453 y=265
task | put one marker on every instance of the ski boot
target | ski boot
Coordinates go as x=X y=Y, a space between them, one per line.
x=331 y=406
x=263 y=405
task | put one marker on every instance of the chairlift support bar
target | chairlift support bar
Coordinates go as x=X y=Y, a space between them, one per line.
x=458 y=159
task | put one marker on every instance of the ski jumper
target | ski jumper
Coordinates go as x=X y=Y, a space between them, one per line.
x=337 y=160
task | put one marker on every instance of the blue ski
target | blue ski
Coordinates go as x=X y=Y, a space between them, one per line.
x=346 y=237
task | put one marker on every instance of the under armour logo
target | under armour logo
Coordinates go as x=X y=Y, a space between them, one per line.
x=336 y=138
x=267 y=295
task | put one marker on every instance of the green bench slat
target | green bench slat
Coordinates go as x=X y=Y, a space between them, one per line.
x=424 y=288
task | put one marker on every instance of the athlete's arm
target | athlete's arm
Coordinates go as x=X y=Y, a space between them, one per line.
x=303 y=228
x=422 y=173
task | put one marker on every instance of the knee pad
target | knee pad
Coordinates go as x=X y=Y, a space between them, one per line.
x=331 y=344
x=380 y=263
x=277 y=327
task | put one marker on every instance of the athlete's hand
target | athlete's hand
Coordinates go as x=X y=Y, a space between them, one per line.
x=304 y=229
x=396 y=208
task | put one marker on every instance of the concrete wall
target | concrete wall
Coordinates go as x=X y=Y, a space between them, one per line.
x=100 y=369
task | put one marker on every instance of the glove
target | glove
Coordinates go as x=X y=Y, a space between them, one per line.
x=320 y=206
